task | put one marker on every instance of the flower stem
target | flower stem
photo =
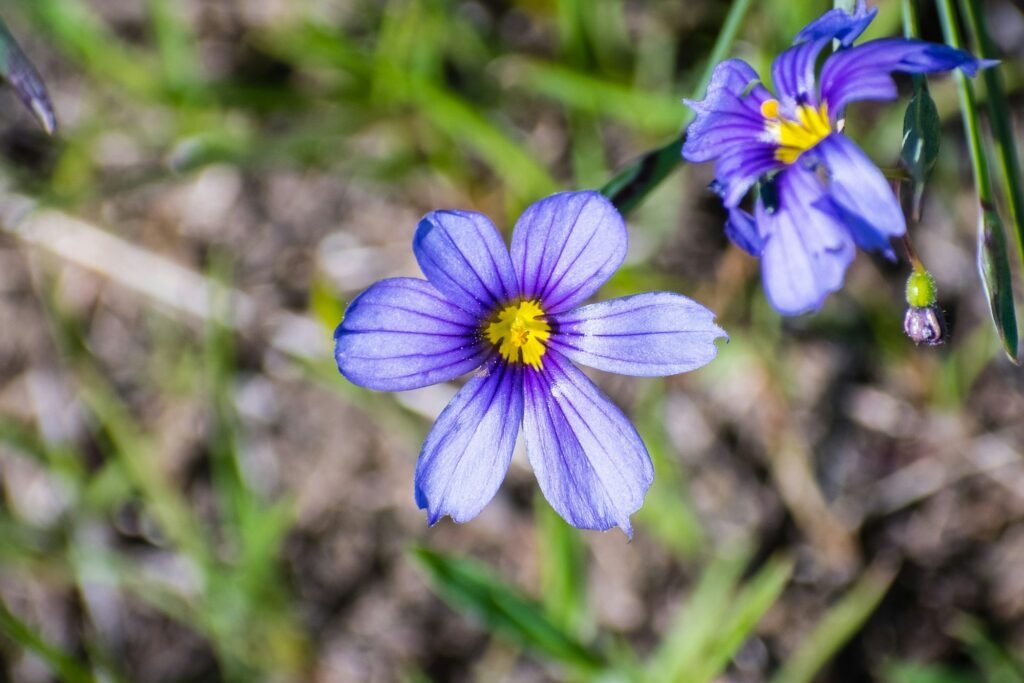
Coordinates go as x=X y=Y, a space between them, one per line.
x=993 y=261
x=968 y=106
x=630 y=186
x=999 y=116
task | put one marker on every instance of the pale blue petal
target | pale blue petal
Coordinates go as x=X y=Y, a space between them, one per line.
x=807 y=247
x=863 y=72
x=590 y=463
x=467 y=452
x=463 y=255
x=402 y=333
x=566 y=246
x=862 y=194
x=650 y=335
x=839 y=24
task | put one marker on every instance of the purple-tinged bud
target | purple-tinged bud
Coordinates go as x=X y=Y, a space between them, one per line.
x=925 y=325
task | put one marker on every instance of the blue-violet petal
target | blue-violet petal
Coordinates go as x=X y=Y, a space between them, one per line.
x=566 y=246
x=402 y=333
x=807 y=247
x=590 y=463
x=467 y=452
x=463 y=255
x=863 y=72
x=649 y=335
x=862 y=194
x=839 y=24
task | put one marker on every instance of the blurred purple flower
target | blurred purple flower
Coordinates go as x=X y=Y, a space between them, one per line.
x=515 y=319
x=821 y=196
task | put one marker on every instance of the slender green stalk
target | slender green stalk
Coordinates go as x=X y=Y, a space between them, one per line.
x=631 y=185
x=836 y=628
x=999 y=115
x=911 y=23
x=993 y=261
x=968 y=106
x=64 y=665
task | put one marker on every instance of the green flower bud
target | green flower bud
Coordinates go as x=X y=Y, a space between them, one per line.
x=921 y=291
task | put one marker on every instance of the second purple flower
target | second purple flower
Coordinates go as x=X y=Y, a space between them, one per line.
x=821 y=196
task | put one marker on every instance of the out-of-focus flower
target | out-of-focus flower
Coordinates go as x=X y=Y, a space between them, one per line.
x=514 y=317
x=821 y=196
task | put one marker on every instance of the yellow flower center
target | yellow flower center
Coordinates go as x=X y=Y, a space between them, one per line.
x=795 y=137
x=520 y=332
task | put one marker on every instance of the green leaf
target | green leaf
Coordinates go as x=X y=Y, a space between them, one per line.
x=994 y=268
x=748 y=607
x=921 y=128
x=717 y=619
x=655 y=113
x=998 y=664
x=563 y=568
x=993 y=262
x=19 y=72
x=694 y=627
x=631 y=185
x=837 y=627
x=66 y=667
x=469 y=586
x=912 y=672
x=1000 y=118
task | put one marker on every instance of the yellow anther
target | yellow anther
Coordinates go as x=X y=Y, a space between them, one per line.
x=520 y=333
x=796 y=137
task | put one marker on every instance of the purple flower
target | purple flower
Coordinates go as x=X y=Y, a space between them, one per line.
x=820 y=195
x=514 y=317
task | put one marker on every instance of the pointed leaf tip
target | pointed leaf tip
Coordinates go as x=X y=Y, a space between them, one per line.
x=994 y=269
x=17 y=70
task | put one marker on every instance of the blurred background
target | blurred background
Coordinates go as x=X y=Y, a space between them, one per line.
x=190 y=492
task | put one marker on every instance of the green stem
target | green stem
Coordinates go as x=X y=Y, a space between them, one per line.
x=911 y=23
x=968 y=109
x=993 y=261
x=631 y=185
x=999 y=115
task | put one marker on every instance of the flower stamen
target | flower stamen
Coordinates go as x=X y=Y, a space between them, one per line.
x=795 y=137
x=520 y=333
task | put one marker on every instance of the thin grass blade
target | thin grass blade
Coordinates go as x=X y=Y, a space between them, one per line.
x=471 y=587
x=993 y=261
x=630 y=186
x=837 y=627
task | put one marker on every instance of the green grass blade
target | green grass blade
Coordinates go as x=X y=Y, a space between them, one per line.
x=67 y=668
x=563 y=569
x=19 y=72
x=837 y=627
x=993 y=260
x=998 y=665
x=912 y=672
x=471 y=587
x=630 y=186
x=994 y=266
x=667 y=513
x=649 y=112
x=749 y=605
x=1000 y=119
x=75 y=28
x=698 y=620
